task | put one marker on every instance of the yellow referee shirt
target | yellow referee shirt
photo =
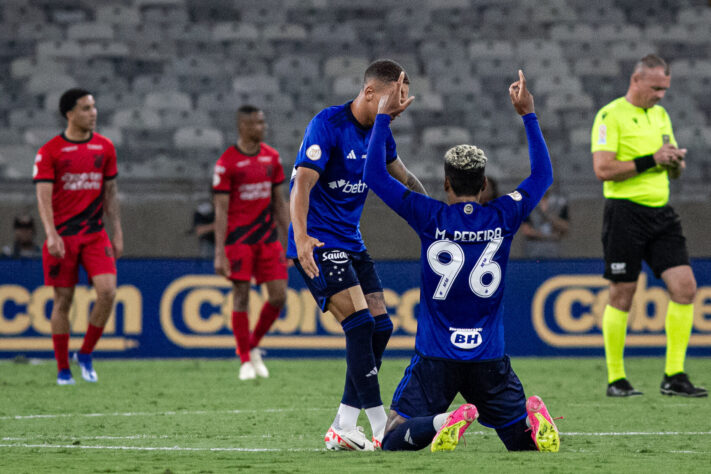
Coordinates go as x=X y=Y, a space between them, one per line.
x=632 y=131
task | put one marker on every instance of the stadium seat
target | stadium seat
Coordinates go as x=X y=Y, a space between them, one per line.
x=198 y=137
x=24 y=118
x=26 y=67
x=696 y=15
x=555 y=84
x=234 y=31
x=256 y=83
x=436 y=136
x=293 y=66
x=59 y=49
x=168 y=100
x=345 y=66
x=38 y=136
x=37 y=31
x=139 y=117
x=118 y=15
x=491 y=49
x=90 y=32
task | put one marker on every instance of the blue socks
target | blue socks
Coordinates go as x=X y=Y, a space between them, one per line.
x=515 y=437
x=362 y=371
x=382 y=330
x=414 y=434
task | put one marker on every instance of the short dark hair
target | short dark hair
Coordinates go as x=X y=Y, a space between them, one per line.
x=69 y=100
x=651 y=61
x=385 y=70
x=464 y=182
x=246 y=110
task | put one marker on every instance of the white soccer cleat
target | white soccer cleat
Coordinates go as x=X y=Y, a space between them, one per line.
x=354 y=440
x=247 y=372
x=259 y=367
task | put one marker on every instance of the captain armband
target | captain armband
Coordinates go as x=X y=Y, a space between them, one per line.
x=643 y=163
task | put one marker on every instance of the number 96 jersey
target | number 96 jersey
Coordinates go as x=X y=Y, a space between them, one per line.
x=465 y=250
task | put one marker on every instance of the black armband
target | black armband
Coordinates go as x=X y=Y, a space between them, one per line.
x=643 y=163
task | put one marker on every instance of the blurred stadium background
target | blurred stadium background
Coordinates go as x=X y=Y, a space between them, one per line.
x=168 y=76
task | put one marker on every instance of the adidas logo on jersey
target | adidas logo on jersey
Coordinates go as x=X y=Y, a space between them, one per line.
x=348 y=187
x=351 y=155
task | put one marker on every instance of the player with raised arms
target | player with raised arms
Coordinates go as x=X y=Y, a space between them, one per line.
x=327 y=198
x=460 y=334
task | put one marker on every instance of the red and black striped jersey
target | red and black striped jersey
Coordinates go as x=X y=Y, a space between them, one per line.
x=249 y=180
x=78 y=171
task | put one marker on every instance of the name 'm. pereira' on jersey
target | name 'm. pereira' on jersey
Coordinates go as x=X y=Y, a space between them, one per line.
x=464 y=253
x=249 y=180
x=78 y=171
x=335 y=146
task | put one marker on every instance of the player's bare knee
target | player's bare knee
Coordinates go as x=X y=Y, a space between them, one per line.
x=278 y=300
x=106 y=294
x=622 y=294
x=684 y=292
x=376 y=303
x=394 y=420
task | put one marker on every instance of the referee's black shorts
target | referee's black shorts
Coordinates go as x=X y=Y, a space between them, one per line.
x=632 y=233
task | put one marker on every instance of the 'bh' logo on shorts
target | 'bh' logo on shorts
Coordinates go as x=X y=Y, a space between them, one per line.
x=466 y=338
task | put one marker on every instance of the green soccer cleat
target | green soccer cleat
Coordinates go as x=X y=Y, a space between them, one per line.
x=457 y=423
x=543 y=431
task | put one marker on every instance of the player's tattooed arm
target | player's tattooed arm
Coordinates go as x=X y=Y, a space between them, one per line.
x=304 y=181
x=111 y=207
x=398 y=171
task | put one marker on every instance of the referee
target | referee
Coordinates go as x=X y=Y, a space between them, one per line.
x=634 y=154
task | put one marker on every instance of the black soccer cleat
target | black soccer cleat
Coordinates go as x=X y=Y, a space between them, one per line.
x=622 y=388
x=679 y=384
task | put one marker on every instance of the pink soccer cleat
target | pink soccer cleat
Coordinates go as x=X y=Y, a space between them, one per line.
x=543 y=430
x=457 y=423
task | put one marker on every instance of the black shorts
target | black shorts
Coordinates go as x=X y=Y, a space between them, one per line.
x=430 y=385
x=632 y=233
x=339 y=270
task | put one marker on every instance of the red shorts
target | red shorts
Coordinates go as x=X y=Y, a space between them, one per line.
x=266 y=262
x=93 y=251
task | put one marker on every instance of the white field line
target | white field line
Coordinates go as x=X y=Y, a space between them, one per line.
x=164 y=413
x=242 y=450
x=153 y=448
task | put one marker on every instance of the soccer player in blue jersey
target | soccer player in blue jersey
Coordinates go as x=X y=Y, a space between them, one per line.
x=327 y=198
x=460 y=335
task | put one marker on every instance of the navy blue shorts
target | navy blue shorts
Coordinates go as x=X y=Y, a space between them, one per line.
x=339 y=270
x=430 y=385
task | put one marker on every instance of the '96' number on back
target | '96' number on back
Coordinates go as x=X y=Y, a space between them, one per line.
x=448 y=271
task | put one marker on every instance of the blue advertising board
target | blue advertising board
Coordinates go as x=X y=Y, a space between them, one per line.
x=179 y=308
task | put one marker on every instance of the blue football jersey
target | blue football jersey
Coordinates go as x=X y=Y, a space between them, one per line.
x=336 y=145
x=464 y=254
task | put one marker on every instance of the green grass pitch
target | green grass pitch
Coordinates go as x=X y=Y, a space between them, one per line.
x=179 y=416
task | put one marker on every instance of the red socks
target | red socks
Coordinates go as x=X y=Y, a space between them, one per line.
x=61 y=350
x=91 y=338
x=267 y=316
x=240 y=328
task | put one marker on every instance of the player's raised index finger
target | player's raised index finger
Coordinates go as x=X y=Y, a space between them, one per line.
x=522 y=79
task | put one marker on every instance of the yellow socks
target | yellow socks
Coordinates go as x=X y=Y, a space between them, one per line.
x=680 y=318
x=614 y=330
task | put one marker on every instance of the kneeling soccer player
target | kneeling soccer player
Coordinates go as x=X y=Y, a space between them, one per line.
x=460 y=335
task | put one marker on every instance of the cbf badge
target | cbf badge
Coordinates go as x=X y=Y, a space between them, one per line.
x=665 y=139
